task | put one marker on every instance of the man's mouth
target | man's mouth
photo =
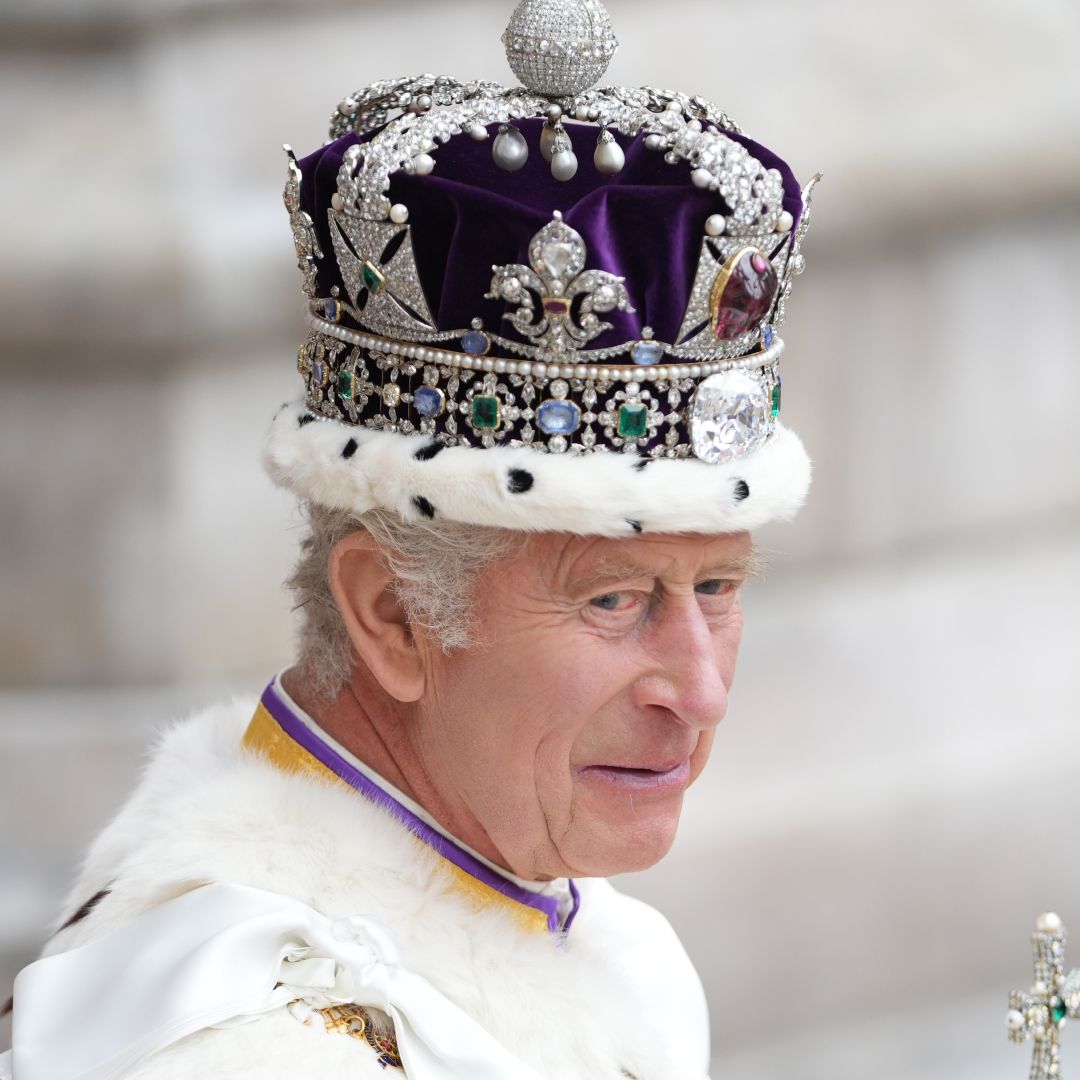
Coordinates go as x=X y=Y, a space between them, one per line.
x=664 y=776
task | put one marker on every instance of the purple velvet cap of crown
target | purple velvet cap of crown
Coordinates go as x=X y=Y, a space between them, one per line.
x=644 y=224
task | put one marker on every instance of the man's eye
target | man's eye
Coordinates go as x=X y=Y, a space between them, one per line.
x=715 y=587
x=607 y=602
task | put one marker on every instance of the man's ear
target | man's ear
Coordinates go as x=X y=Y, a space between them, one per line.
x=374 y=618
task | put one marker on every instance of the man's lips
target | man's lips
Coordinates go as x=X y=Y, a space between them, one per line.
x=663 y=776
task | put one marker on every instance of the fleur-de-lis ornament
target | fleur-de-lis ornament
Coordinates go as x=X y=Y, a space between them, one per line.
x=1040 y=1013
x=556 y=298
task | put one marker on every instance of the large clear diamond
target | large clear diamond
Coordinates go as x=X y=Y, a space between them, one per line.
x=557 y=257
x=729 y=416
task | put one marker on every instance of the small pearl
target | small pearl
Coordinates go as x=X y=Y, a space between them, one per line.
x=1048 y=923
x=701 y=178
x=511 y=367
x=554 y=112
x=661 y=373
x=347 y=107
x=478 y=132
x=604 y=374
x=539 y=370
x=489 y=363
x=784 y=222
x=337 y=202
x=564 y=165
x=582 y=112
x=695 y=371
x=1038 y=989
x=399 y=213
x=654 y=142
x=1014 y=1020
x=421 y=354
x=423 y=164
x=500 y=366
x=423 y=102
x=581 y=371
x=715 y=224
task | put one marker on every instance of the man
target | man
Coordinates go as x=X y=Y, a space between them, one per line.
x=540 y=423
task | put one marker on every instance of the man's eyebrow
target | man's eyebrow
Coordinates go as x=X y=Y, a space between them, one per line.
x=612 y=569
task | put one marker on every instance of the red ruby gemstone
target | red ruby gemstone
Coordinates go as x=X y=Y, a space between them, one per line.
x=746 y=295
x=556 y=306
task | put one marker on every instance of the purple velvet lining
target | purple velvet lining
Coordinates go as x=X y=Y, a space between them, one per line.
x=305 y=737
x=645 y=224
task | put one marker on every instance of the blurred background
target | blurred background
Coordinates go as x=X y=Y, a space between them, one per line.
x=895 y=792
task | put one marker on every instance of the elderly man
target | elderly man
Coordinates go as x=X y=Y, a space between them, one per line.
x=540 y=421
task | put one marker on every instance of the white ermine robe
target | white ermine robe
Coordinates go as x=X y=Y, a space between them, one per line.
x=574 y=982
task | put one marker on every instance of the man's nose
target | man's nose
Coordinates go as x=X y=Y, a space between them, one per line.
x=689 y=663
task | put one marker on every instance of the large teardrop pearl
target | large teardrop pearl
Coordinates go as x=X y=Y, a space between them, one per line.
x=608 y=156
x=509 y=151
x=564 y=165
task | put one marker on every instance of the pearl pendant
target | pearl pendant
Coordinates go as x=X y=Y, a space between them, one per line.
x=564 y=165
x=547 y=138
x=608 y=156
x=509 y=151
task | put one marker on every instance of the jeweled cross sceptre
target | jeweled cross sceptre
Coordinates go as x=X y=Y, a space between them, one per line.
x=1041 y=1012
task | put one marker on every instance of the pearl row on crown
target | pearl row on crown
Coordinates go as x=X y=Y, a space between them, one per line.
x=539 y=368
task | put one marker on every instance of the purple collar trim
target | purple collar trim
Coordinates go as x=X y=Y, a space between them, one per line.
x=463 y=860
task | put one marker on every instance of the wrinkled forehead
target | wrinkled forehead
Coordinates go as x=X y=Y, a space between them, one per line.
x=569 y=563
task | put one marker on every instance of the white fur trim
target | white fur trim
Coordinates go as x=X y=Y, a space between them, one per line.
x=617 y=993
x=592 y=494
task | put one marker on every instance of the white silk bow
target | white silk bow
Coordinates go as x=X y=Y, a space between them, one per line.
x=222 y=955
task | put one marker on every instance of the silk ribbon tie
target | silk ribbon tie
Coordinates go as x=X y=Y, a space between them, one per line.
x=223 y=955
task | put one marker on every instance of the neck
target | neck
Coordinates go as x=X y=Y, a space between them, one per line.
x=381 y=733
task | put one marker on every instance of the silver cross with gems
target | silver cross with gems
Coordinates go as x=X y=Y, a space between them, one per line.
x=1041 y=1012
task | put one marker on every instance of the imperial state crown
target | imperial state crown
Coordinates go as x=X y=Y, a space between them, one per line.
x=508 y=330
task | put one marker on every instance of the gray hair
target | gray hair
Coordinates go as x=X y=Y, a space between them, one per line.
x=434 y=564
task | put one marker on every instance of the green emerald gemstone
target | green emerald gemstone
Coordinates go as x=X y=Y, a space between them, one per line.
x=372 y=276
x=633 y=421
x=1058 y=1011
x=485 y=411
x=346 y=385
x=776 y=400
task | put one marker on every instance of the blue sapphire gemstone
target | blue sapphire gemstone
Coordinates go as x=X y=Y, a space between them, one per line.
x=331 y=311
x=767 y=335
x=647 y=353
x=558 y=417
x=428 y=400
x=475 y=342
x=318 y=373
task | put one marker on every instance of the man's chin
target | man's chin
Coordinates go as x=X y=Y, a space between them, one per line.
x=623 y=846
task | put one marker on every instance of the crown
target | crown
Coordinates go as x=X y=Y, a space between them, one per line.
x=511 y=297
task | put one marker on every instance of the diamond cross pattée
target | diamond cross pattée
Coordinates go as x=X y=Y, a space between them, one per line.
x=1041 y=1012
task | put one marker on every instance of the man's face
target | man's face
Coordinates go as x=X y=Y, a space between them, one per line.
x=569 y=738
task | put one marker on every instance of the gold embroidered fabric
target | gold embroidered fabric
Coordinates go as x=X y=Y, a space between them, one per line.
x=356 y=1022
